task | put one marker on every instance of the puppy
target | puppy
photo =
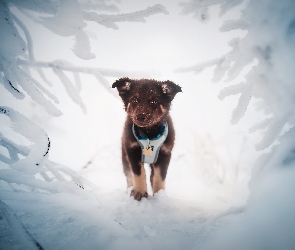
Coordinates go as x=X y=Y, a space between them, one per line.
x=148 y=135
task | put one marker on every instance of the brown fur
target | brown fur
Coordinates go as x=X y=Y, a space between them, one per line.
x=147 y=103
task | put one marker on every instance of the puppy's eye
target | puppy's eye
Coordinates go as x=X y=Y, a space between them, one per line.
x=134 y=100
x=153 y=102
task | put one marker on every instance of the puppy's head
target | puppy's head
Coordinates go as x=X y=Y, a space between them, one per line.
x=146 y=102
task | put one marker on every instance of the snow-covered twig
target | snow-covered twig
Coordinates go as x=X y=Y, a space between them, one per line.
x=70 y=88
x=64 y=18
x=200 y=8
x=39 y=149
x=13 y=149
x=15 y=177
x=267 y=80
x=78 y=179
x=110 y=21
x=66 y=66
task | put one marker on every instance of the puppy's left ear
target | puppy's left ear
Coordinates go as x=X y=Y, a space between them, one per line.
x=123 y=85
x=170 y=89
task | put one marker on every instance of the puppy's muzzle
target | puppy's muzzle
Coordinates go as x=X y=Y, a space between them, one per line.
x=141 y=117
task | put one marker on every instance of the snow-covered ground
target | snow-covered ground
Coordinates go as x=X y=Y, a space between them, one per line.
x=231 y=178
x=105 y=219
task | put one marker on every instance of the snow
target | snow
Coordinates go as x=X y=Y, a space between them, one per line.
x=108 y=220
x=230 y=181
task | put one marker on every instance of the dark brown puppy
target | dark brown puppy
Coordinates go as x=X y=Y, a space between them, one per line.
x=147 y=103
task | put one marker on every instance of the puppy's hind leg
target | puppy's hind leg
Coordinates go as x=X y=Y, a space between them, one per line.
x=152 y=175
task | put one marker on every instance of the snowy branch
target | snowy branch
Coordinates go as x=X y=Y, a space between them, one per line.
x=200 y=8
x=13 y=149
x=17 y=60
x=110 y=21
x=67 y=66
x=39 y=150
x=268 y=80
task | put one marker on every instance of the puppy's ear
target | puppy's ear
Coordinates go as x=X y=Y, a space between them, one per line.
x=170 y=89
x=123 y=85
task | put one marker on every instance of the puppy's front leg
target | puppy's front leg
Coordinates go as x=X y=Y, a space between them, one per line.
x=159 y=171
x=139 y=178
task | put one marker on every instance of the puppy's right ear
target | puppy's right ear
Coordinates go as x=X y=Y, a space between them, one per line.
x=123 y=85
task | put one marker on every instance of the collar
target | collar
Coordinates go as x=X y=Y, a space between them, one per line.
x=150 y=146
x=140 y=135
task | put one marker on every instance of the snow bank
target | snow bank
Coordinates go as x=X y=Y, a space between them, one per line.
x=106 y=219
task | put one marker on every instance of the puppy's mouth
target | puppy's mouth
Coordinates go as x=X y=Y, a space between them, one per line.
x=143 y=120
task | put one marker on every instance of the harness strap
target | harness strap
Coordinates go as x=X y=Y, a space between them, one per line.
x=150 y=147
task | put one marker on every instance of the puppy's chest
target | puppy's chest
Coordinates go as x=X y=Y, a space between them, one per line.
x=150 y=146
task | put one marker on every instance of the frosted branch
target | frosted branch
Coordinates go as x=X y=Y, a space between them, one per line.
x=41 y=143
x=11 y=43
x=13 y=176
x=198 y=68
x=71 y=91
x=29 y=85
x=81 y=47
x=99 y=6
x=27 y=35
x=245 y=91
x=65 y=18
x=228 y=5
x=110 y=21
x=274 y=128
x=11 y=88
x=78 y=179
x=78 y=84
x=13 y=149
x=66 y=66
x=100 y=78
x=234 y=25
x=269 y=80
x=200 y=8
x=261 y=125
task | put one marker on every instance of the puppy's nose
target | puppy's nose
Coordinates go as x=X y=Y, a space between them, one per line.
x=141 y=117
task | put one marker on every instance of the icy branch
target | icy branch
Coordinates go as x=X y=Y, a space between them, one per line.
x=245 y=89
x=39 y=150
x=200 y=8
x=79 y=180
x=82 y=47
x=110 y=21
x=13 y=176
x=68 y=19
x=11 y=43
x=13 y=149
x=268 y=80
x=235 y=25
x=70 y=88
x=66 y=66
x=99 y=73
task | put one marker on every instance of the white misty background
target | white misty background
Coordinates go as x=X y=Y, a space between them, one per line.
x=231 y=178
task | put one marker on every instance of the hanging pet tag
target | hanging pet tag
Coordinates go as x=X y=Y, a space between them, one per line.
x=148 y=150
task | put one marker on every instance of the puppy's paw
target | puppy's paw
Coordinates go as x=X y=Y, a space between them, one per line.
x=138 y=195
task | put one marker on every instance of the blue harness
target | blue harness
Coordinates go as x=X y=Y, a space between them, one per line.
x=150 y=146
